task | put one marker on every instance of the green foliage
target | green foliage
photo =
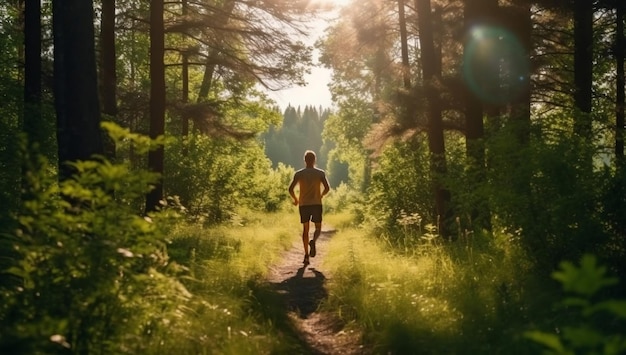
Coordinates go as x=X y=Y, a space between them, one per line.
x=546 y=193
x=464 y=297
x=272 y=187
x=214 y=176
x=232 y=311
x=10 y=164
x=90 y=275
x=586 y=280
x=344 y=133
x=598 y=327
x=11 y=96
x=400 y=183
x=561 y=220
x=337 y=170
x=124 y=137
x=299 y=132
x=341 y=199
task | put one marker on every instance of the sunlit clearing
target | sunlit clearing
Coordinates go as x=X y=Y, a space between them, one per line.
x=495 y=65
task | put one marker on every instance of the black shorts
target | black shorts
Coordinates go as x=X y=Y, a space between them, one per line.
x=311 y=213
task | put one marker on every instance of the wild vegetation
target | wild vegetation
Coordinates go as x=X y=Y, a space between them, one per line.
x=475 y=150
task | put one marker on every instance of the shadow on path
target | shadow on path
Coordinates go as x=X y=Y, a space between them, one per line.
x=302 y=292
x=290 y=299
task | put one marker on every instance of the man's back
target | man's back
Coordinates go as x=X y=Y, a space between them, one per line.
x=310 y=181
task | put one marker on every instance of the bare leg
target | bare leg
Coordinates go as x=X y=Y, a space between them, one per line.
x=316 y=234
x=318 y=230
x=305 y=237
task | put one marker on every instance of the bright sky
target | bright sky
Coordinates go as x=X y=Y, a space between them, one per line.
x=316 y=92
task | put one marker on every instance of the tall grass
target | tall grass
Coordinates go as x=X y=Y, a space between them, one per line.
x=226 y=265
x=463 y=297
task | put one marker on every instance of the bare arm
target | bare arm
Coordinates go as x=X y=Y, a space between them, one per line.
x=326 y=186
x=291 y=192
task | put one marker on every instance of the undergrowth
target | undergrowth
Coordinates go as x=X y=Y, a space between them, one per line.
x=104 y=280
x=227 y=265
x=425 y=295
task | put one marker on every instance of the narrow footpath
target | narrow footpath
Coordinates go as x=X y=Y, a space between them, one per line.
x=302 y=289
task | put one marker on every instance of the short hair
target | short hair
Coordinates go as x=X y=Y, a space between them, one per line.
x=309 y=156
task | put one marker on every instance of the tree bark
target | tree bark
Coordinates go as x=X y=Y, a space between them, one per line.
x=75 y=83
x=32 y=73
x=583 y=66
x=431 y=69
x=32 y=64
x=620 y=43
x=33 y=123
x=108 y=73
x=185 y=75
x=518 y=18
x=157 y=100
x=521 y=24
x=211 y=60
x=477 y=11
x=406 y=72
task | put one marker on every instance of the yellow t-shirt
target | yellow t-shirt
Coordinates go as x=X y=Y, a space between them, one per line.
x=310 y=181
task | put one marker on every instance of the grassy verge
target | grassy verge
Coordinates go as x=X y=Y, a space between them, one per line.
x=228 y=314
x=464 y=297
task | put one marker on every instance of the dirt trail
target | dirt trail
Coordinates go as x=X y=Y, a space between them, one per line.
x=303 y=289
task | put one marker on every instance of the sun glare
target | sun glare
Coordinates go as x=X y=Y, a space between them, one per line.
x=334 y=3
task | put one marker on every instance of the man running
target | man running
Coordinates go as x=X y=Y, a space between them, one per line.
x=310 y=179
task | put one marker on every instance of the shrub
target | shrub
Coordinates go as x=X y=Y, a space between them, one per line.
x=90 y=274
x=214 y=176
x=394 y=190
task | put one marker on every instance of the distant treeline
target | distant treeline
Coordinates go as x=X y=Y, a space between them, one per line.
x=303 y=129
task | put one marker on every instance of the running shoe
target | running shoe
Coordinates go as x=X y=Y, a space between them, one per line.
x=312 y=248
x=306 y=260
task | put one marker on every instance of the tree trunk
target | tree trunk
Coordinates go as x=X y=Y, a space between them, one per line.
x=209 y=68
x=477 y=11
x=431 y=69
x=185 y=75
x=518 y=176
x=75 y=83
x=32 y=71
x=406 y=100
x=108 y=74
x=620 y=42
x=521 y=24
x=583 y=66
x=185 y=95
x=21 y=21
x=33 y=123
x=157 y=100
x=406 y=72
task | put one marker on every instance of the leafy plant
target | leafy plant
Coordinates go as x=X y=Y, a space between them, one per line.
x=395 y=190
x=214 y=176
x=588 y=333
x=91 y=275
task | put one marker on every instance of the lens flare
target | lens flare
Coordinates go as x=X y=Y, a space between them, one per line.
x=495 y=65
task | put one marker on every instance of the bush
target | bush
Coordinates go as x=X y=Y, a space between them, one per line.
x=91 y=276
x=394 y=190
x=215 y=176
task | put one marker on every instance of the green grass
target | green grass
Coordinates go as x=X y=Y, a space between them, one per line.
x=229 y=312
x=464 y=297
x=471 y=296
x=339 y=220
